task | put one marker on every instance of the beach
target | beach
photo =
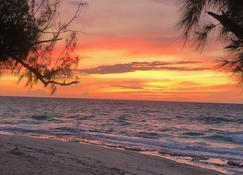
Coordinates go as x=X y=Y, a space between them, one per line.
x=24 y=155
x=202 y=135
x=121 y=87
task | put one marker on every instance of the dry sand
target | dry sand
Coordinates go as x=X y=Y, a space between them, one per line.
x=29 y=156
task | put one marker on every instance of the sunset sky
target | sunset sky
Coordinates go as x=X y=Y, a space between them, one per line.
x=132 y=49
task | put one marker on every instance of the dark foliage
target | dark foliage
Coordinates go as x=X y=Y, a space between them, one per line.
x=29 y=32
x=225 y=18
x=18 y=29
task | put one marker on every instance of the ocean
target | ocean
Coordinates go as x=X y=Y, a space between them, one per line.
x=200 y=134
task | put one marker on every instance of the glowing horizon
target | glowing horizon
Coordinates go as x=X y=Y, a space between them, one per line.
x=133 y=50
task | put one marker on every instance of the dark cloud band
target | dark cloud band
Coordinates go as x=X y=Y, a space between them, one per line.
x=143 y=66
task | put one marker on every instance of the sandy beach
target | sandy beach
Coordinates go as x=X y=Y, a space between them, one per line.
x=23 y=155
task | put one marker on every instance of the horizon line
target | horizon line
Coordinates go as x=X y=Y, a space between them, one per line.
x=83 y=98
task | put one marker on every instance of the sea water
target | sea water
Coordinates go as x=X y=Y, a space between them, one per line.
x=201 y=134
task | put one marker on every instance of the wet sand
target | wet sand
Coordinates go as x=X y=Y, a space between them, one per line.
x=29 y=156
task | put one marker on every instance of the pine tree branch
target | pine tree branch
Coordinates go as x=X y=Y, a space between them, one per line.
x=230 y=25
x=47 y=41
x=41 y=77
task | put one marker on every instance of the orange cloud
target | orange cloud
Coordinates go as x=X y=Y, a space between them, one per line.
x=129 y=54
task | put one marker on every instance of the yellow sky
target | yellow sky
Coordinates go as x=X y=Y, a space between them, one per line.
x=133 y=50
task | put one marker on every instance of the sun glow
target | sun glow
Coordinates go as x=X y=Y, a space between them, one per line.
x=134 y=55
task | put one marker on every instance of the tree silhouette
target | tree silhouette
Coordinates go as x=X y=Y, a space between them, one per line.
x=29 y=32
x=223 y=17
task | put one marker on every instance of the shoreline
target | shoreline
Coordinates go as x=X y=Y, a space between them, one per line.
x=21 y=155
